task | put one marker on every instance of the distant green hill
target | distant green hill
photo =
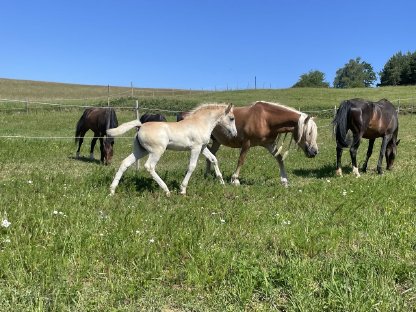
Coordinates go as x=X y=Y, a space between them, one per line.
x=172 y=99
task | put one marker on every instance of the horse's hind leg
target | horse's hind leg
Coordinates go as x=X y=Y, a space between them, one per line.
x=338 y=170
x=353 y=153
x=369 y=152
x=80 y=141
x=93 y=142
x=386 y=139
x=192 y=165
x=212 y=159
x=150 y=166
x=138 y=152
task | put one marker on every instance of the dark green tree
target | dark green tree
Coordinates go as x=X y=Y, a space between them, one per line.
x=313 y=79
x=397 y=71
x=355 y=74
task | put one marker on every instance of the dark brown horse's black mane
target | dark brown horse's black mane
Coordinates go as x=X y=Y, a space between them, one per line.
x=152 y=117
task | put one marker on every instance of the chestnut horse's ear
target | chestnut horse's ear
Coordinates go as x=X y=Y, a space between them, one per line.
x=228 y=109
x=397 y=142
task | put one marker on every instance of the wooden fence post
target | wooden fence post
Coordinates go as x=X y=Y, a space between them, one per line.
x=137 y=109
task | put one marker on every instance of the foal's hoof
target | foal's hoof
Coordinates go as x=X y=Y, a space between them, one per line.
x=235 y=182
x=167 y=194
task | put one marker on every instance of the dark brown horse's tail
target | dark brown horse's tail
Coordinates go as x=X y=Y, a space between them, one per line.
x=80 y=125
x=112 y=119
x=340 y=123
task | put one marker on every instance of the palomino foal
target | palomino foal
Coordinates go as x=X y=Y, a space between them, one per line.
x=192 y=134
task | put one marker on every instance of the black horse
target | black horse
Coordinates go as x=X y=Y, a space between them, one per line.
x=98 y=120
x=152 y=117
x=369 y=120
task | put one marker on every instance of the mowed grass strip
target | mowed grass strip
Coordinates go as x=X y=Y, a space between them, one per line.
x=324 y=243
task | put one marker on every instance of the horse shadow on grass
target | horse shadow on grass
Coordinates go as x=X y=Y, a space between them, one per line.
x=86 y=160
x=147 y=184
x=326 y=171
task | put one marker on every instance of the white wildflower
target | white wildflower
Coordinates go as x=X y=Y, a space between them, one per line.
x=222 y=221
x=151 y=241
x=5 y=223
x=30 y=182
x=344 y=192
x=327 y=180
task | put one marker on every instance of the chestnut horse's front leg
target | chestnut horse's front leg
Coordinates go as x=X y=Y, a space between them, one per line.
x=277 y=155
x=243 y=153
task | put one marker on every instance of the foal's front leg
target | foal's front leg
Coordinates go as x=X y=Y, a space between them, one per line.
x=192 y=165
x=213 y=160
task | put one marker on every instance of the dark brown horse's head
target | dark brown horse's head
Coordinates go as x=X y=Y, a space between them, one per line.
x=108 y=150
x=391 y=152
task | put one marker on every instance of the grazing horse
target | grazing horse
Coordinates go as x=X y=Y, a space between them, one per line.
x=98 y=120
x=369 y=120
x=192 y=134
x=262 y=124
x=181 y=116
x=151 y=117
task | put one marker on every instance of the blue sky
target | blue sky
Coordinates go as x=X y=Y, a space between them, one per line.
x=198 y=44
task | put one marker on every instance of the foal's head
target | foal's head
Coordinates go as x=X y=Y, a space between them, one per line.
x=227 y=121
x=108 y=149
x=307 y=135
x=391 y=152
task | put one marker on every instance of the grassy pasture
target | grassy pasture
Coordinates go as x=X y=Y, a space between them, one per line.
x=323 y=244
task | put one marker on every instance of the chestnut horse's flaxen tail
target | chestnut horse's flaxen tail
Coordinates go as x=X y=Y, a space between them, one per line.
x=340 y=123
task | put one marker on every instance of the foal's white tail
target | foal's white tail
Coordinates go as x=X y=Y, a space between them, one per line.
x=123 y=128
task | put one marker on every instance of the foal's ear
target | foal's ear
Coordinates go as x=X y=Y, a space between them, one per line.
x=307 y=119
x=397 y=142
x=229 y=107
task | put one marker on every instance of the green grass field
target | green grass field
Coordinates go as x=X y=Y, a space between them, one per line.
x=325 y=243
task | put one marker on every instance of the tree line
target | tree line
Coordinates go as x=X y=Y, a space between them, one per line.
x=400 y=70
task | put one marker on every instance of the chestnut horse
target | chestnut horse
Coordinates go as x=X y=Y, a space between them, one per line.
x=192 y=133
x=369 y=120
x=97 y=119
x=261 y=124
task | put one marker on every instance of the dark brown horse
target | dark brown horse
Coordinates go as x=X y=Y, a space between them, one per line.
x=368 y=120
x=98 y=120
x=261 y=124
x=151 y=117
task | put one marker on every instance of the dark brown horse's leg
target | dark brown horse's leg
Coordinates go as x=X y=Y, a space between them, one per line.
x=353 y=154
x=338 y=171
x=369 y=152
x=80 y=141
x=93 y=141
x=102 y=149
x=241 y=159
x=386 y=139
x=213 y=149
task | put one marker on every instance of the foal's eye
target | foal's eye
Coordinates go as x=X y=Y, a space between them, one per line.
x=232 y=118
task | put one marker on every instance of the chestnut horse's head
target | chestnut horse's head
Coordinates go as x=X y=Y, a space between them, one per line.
x=307 y=135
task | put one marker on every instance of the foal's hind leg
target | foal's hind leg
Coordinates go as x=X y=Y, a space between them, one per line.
x=138 y=152
x=369 y=152
x=150 y=166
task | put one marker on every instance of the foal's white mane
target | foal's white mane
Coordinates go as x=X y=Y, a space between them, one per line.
x=206 y=106
x=301 y=121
